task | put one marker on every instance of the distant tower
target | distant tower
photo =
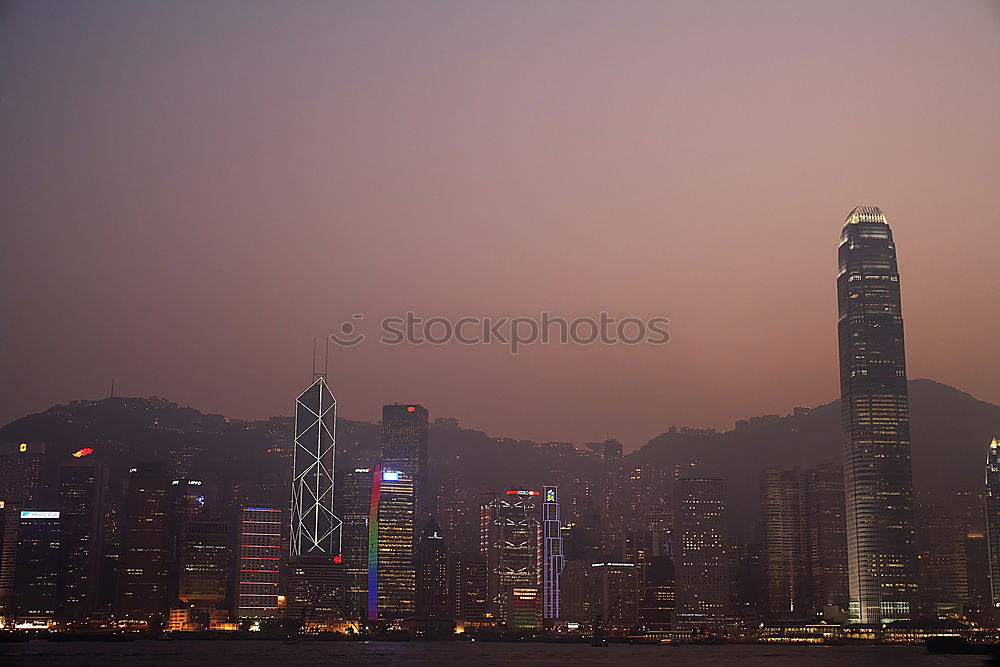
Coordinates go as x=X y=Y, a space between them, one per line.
x=785 y=541
x=613 y=537
x=315 y=529
x=878 y=480
x=700 y=553
x=993 y=517
x=552 y=552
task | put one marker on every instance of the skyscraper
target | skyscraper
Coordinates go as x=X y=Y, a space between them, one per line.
x=611 y=584
x=875 y=421
x=468 y=585
x=510 y=536
x=827 y=555
x=805 y=542
x=404 y=450
x=395 y=566
x=20 y=478
x=613 y=509
x=993 y=517
x=432 y=573
x=552 y=552
x=21 y=471
x=943 y=570
x=313 y=578
x=315 y=529
x=656 y=595
x=354 y=491
x=146 y=557
x=36 y=577
x=204 y=563
x=373 y=543
x=260 y=546
x=702 y=586
x=398 y=507
x=972 y=505
x=81 y=502
x=785 y=542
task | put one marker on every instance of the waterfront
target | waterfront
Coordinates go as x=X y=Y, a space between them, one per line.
x=483 y=654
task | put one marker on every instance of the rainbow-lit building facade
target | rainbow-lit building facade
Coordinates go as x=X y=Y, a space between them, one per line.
x=373 y=544
x=392 y=576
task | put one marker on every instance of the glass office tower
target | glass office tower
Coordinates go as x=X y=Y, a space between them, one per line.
x=876 y=424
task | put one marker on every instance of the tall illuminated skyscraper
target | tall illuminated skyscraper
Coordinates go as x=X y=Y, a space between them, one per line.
x=354 y=491
x=404 y=450
x=395 y=567
x=875 y=419
x=398 y=510
x=993 y=517
x=552 y=552
x=315 y=529
x=313 y=578
x=510 y=542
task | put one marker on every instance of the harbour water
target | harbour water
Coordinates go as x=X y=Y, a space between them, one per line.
x=236 y=653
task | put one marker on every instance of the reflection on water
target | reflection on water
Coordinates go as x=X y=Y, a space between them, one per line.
x=482 y=654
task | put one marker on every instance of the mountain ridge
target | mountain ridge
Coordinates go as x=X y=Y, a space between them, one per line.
x=950 y=431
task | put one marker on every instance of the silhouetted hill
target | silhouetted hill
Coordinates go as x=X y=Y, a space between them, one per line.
x=257 y=454
x=949 y=432
x=949 y=428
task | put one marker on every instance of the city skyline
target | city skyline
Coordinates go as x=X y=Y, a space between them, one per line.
x=186 y=206
x=591 y=245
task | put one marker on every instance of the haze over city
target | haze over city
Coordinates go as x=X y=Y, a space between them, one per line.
x=190 y=193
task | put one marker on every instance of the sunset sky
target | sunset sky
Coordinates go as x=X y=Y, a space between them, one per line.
x=191 y=192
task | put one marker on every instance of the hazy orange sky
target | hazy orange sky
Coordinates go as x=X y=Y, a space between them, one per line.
x=190 y=192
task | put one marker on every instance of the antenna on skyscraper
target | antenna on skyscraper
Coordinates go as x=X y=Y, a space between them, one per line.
x=112 y=394
x=316 y=375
